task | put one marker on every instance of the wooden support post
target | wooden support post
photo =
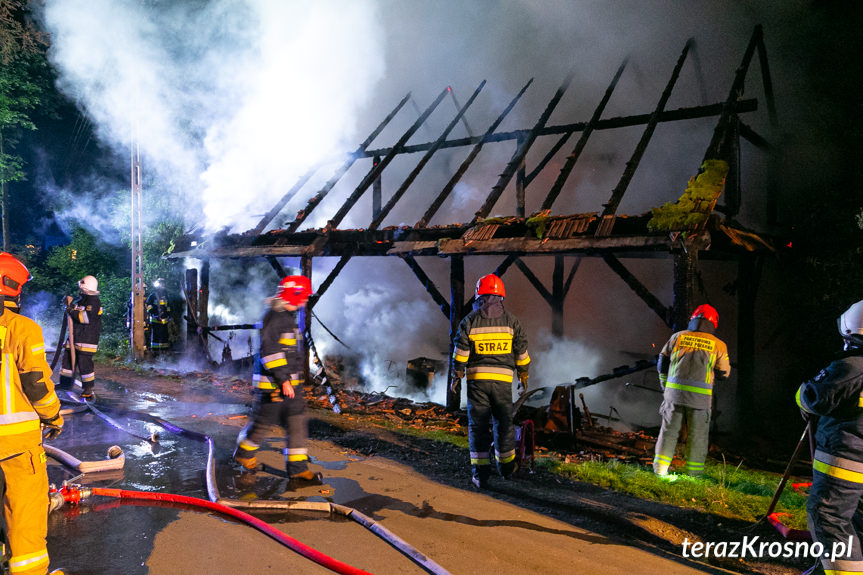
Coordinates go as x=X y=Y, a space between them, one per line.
x=557 y=296
x=685 y=270
x=456 y=281
x=748 y=276
x=192 y=341
x=520 y=182
x=377 y=191
x=203 y=302
x=305 y=318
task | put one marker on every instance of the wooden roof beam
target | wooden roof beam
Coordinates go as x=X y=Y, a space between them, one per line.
x=521 y=152
x=427 y=282
x=397 y=195
x=609 y=213
x=690 y=113
x=572 y=158
x=376 y=171
x=447 y=189
x=639 y=288
x=359 y=153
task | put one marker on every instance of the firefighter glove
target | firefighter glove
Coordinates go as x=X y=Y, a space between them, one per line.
x=522 y=381
x=52 y=427
x=455 y=383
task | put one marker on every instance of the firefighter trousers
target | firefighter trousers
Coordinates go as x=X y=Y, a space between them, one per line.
x=834 y=516
x=160 y=340
x=25 y=509
x=86 y=370
x=697 y=437
x=489 y=409
x=273 y=409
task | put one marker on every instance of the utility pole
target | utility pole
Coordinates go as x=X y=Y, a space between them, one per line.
x=137 y=328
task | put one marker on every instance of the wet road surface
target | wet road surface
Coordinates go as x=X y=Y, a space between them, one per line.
x=463 y=531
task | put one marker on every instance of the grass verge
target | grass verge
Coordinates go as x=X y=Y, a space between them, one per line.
x=723 y=490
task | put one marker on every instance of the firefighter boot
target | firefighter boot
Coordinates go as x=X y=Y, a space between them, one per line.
x=306 y=477
x=480 y=476
x=246 y=457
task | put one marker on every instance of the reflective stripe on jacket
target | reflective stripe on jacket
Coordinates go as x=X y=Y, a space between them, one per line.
x=490 y=348
x=26 y=391
x=694 y=357
x=282 y=356
x=834 y=395
x=86 y=323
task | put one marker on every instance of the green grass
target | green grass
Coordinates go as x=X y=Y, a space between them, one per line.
x=723 y=490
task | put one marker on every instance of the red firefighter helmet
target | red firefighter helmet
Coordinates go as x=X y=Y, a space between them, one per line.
x=295 y=290
x=490 y=285
x=13 y=275
x=708 y=312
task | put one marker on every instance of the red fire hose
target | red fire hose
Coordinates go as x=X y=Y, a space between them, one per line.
x=284 y=539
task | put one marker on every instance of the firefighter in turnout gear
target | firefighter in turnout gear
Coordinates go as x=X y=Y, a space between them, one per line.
x=491 y=348
x=85 y=317
x=30 y=405
x=159 y=316
x=688 y=364
x=835 y=398
x=278 y=382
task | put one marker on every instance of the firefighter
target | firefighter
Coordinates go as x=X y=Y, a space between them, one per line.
x=688 y=364
x=278 y=382
x=490 y=347
x=83 y=341
x=834 y=397
x=29 y=403
x=159 y=316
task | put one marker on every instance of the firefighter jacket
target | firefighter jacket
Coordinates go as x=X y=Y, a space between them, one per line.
x=282 y=357
x=688 y=363
x=86 y=314
x=28 y=396
x=157 y=308
x=836 y=395
x=490 y=345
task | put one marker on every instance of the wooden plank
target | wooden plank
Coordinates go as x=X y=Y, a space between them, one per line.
x=610 y=211
x=532 y=245
x=706 y=111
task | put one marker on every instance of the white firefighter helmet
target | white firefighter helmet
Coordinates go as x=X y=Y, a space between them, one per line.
x=89 y=283
x=851 y=323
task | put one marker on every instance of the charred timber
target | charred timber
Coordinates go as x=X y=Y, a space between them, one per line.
x=707 y=111
x=619 y=371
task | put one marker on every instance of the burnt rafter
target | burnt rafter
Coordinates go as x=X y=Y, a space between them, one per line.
x=377 y=170
x=610 y=211
x=316 y=199
x=639 y=288
x=573 y=156
x=397 y=195
x=429 y=285
x=450 y=185
x=521 y=152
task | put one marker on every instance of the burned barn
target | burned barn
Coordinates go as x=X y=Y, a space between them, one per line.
x=693 y=225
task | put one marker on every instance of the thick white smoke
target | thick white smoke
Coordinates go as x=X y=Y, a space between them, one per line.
x=229 y=101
